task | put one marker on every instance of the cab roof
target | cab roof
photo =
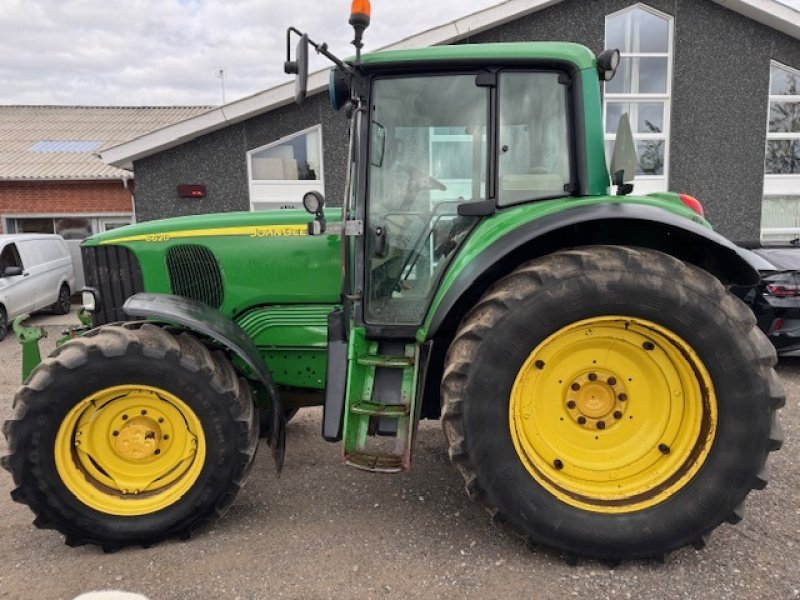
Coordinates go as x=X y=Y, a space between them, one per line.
x=475 y=54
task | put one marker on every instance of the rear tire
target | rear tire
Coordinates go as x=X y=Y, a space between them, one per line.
x=62 y=304
x=611 y=402
x=130 y=435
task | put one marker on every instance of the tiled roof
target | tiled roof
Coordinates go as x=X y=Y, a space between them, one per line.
x=63 y=142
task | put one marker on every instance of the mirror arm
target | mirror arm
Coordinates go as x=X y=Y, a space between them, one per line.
x=321 y=48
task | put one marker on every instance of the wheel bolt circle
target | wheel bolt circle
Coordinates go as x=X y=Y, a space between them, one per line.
x=595 y=399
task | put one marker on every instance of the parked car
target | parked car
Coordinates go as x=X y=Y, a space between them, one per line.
x=35 y=273
x=775 y=301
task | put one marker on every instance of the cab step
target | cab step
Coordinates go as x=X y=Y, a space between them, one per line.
x=380 y=410
x=375 y=462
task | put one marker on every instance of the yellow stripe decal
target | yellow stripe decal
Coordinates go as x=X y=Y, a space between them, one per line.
x=248 y=231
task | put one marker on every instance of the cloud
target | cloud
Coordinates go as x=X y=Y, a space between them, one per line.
x=155 y=52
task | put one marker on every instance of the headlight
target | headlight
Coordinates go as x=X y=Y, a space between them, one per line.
x=89 y=298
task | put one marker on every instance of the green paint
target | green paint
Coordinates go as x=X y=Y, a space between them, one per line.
x=503 y=222
x=293 y=341
x=29 y=338
x=580 y=56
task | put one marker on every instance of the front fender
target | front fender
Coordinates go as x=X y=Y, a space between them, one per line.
x=624 y=223
x=199 y=317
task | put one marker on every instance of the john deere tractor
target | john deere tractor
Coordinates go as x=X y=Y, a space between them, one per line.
x=600 y=389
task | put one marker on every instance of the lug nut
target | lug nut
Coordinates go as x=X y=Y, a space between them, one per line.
x=144 y=412
x=612 y=381
x=648 y=345
x=622 y=397
x=160 y=419
x=165 y=436
x=157 y=451
x=617 y=414
x=539 y=364
x=571 y=404
x=592 y=376
x=664 y=448
x=124 y=417
x=558 y=464
x=601 y=424
x=582 y=420
x=576 y=386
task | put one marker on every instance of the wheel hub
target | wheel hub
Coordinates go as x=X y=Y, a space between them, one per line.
x=595 y=399
x=138 y=439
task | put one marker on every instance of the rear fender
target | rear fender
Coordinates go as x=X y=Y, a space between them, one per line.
x=199 y=317
x=619 y=224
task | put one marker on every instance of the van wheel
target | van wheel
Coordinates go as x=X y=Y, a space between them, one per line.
x=61 y=306
x=3 y=323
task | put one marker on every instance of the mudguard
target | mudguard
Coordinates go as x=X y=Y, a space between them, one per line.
x=729 y=263
x=209 y=322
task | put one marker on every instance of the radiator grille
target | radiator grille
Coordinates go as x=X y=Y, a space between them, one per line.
x=194 y=273
x=114 y=271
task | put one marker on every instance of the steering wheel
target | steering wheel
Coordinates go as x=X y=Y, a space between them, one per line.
x=418 y=181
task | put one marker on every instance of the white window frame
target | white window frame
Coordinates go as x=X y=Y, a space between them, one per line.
x=779 y=185
x=269 y=194
x=96 y=219
x=645 y=184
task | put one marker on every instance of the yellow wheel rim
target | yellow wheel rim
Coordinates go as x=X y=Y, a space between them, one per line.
x=613 y=414
x=130 y=450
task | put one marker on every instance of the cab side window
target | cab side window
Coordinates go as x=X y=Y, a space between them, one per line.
x=9 y=257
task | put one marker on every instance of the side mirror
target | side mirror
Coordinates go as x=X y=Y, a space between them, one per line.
x=314 y=202
x=624 y=162
x=299 y=66
x=11 y=271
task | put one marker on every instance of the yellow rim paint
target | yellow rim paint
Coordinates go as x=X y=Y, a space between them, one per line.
x=246 y=231
x=130 y=450
x=613 y=414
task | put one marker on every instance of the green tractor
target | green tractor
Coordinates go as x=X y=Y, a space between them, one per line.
x=600 y=389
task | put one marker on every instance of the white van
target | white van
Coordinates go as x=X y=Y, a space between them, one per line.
x=35 y=273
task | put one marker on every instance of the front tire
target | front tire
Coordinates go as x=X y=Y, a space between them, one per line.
x=611 y=402
x=130 y=435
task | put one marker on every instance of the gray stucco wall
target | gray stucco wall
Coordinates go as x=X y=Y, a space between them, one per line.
x=718 y=123
x=219 y=161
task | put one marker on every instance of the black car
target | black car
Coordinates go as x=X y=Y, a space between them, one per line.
x=776 y=299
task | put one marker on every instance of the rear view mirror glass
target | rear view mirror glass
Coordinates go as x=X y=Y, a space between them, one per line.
x=377 y=144
x=624 y=162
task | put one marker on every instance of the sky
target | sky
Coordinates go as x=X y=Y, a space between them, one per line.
x=170 y=52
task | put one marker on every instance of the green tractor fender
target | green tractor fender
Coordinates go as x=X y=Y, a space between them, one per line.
x=201 y=318
x=483 y=261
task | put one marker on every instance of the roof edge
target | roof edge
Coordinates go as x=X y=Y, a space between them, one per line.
x=123 y=155
x=767 y=12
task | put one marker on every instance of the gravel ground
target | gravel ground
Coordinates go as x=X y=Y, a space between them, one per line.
x=323 y=530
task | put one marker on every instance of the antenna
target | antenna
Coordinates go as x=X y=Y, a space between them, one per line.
x=219 y=73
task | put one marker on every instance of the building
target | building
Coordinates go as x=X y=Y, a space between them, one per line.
x=712 y=88
x=51 y=177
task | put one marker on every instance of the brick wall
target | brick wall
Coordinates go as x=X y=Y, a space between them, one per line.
x=60 y=197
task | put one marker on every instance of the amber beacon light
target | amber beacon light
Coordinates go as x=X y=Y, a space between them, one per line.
x=359 y=19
